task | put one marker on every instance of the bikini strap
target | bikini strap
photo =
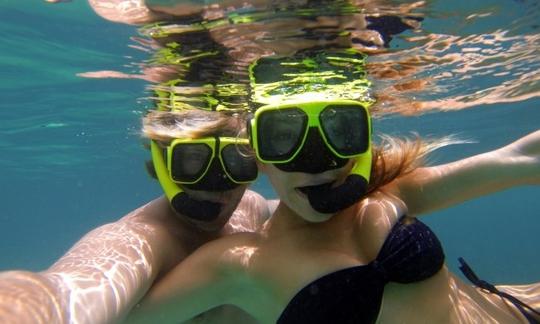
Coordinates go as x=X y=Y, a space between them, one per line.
x=525 y=309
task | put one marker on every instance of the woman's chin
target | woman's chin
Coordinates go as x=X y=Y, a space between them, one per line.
x=301 y=206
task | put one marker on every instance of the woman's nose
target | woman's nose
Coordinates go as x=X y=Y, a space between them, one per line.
x=314 y=156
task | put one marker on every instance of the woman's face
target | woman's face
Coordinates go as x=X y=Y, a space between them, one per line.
x=228 y=200
x=289 y=186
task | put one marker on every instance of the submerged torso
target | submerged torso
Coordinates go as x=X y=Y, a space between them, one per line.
x=410 y=253
x=337 y=251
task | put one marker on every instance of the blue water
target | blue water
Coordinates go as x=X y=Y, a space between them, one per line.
x=72 y=157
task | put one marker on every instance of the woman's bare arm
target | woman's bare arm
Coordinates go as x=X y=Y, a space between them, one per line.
x=433 y=188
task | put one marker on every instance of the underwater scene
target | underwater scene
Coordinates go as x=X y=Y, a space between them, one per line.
x=75 y=86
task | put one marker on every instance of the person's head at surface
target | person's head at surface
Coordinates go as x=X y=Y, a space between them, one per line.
x=311 y=128
x=312 y=131
x=317 y=154
x=202 y=163
x=320 y=157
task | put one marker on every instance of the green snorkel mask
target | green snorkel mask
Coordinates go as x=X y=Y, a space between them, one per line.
x=190 y=162
x=280 y=134
x=314 y=119
x=179 y=200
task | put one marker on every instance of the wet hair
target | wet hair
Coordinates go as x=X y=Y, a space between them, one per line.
x=165 y=126
x=396 y=157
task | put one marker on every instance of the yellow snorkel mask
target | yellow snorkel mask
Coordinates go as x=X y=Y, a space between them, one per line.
x=313 y=137
x=210 y=163
x=313 y=116
x=179 y=200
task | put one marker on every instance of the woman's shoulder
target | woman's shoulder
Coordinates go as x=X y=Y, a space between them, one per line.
x=233 y=243
x=251 y=213
x=386 y=200
x=379 y=209
x=229 y=254
x=370 y=221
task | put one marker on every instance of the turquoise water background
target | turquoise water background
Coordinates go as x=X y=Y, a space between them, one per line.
x=72 y=157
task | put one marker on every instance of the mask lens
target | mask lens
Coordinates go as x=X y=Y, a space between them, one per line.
x=280 y=133
x=189 y=161
x=239 y=167
x=346 y=128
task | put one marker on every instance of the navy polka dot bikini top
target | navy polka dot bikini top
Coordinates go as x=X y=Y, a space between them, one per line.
x=410 y=253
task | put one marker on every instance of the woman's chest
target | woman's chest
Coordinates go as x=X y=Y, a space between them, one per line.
x=280 y=274
x=284 y=265
x=281 y=268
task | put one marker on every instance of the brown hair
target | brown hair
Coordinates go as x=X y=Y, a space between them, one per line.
x=397 y=157
x=164 y=126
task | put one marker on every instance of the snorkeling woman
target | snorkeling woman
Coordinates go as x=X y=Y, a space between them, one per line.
x=106 y=273
x=354 y=240
x=345 y=244
x=371 y=262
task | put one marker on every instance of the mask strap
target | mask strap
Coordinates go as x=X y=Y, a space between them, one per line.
x=170 y=188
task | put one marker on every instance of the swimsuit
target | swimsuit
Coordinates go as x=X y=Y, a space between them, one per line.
x=530 y=313
x=410 y=253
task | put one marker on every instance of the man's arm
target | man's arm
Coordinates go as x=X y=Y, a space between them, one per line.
x=98 y=280
x=212 y=276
